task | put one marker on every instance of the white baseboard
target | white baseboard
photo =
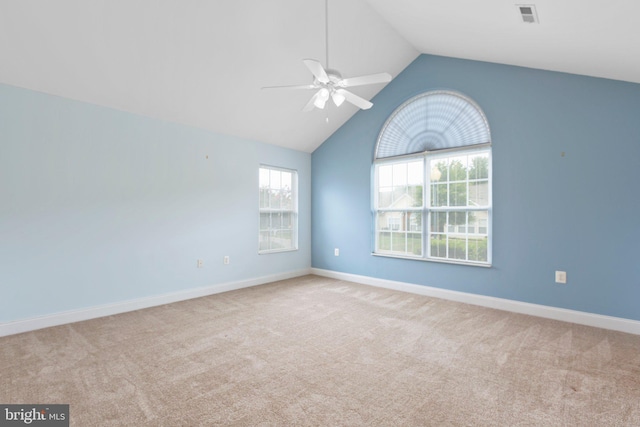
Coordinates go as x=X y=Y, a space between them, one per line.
x=72 y=316
x=573 y=316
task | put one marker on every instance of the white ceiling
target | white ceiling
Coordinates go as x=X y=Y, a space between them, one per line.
x=203 y=62
x=599 y=38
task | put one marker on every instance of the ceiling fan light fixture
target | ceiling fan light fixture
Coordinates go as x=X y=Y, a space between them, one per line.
x=338 y=98
x=321 y=98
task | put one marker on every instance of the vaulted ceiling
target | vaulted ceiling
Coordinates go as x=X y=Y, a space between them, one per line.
x=203 y=62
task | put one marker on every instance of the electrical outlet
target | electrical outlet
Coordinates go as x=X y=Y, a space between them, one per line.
x=200 y=263
x=226 y=260
x=561 y=277
x=336 y=252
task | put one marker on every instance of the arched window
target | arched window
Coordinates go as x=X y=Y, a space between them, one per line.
x=432 y=181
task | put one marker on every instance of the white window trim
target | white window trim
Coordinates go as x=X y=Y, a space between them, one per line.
x=425 y=210
x=293 y=211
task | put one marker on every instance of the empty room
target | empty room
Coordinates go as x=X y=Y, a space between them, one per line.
x=319 y=212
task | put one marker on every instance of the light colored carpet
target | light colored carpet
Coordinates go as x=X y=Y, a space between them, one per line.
x=317 y=351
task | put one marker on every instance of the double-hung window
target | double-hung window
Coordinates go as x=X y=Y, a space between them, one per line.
x=434 y=203
x=278 y=229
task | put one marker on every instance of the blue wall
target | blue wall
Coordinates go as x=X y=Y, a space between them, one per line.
x=577 y=213
x=99 y=206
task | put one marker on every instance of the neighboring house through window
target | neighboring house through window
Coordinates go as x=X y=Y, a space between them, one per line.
x=432 y=181
x=278 y=229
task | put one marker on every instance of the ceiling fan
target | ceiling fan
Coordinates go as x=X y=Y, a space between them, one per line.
x=329 y=83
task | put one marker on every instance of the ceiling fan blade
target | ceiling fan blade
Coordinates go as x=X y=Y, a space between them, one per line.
x=366 y=80
x=291 y=87
x=355 y=99
x=317 y=70
x=311 y=102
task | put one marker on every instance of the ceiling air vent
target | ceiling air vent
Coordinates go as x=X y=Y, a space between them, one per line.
x=528 y=13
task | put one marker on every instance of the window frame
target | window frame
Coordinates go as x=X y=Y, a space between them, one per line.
x=293 y=211
x=427 y=210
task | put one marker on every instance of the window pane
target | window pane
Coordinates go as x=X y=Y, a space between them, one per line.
x=264 y=178
x=399 y=174
x=439 y=195
x=384 y=241
x=457 y=248
x=287 y=219
x=264 y=197
x=478 y=220
x=264 y=241
x=283 y=239
x=479 y=166
x=438 y=245
x=265 y=221
x=390 y=221
x=264 y=187
x=393 y=223
x=276 y=220
x=458 y=169
x=479 y=193
x=415 y=196
x=435 y=174
x=414 y=221
x=398 y=242
x=382 y=221
x=482 y=220
x=385 y=197
x=385 y=176
x=385 y=186
x=415 y=173
x=286 y=200
x=400 y=185
x=286 y=181
x=478 y=249
x=458 y=194
x=458 y=219
x=274 y=199
x=438 y=222
x=275 y=180
x=414 y=243
x=439 y=170
x=276 y=241
x=400 y=199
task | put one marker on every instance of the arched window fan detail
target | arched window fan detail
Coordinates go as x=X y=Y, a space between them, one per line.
x=433 y=121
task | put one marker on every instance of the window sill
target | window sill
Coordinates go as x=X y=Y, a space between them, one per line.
x=440 y=261
x=277 y=251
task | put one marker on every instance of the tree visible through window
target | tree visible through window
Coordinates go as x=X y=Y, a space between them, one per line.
x=432 y=186
x=278 y=229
